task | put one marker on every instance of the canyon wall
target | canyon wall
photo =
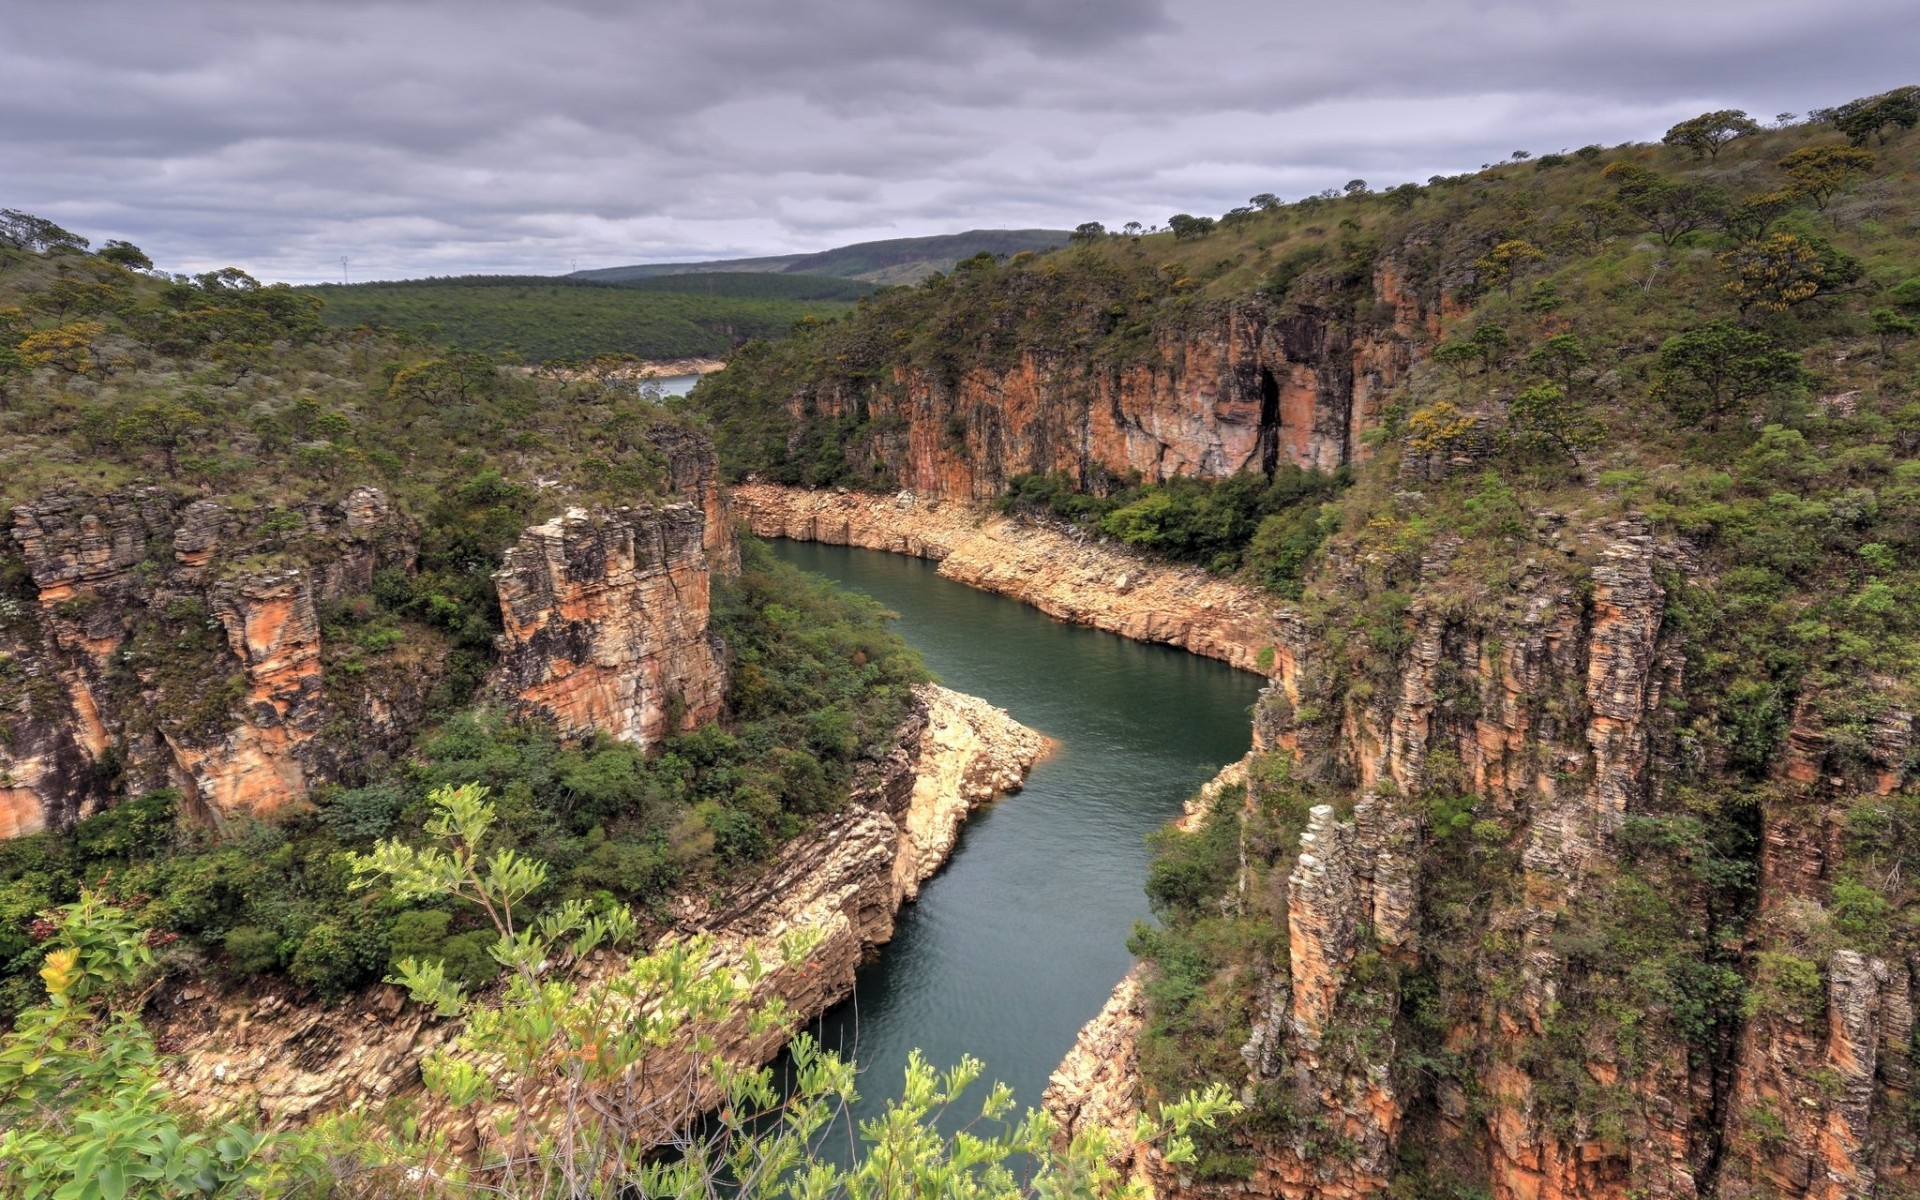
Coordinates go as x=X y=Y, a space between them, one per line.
x=167 y=644
x=606 y=624
x=1238 y=387
x=265 y=1053
x=1062 y=573
x=150 y=642
x=1447 y=999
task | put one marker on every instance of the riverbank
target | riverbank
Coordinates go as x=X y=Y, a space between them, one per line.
x=1081 y=580
x=275 y=1054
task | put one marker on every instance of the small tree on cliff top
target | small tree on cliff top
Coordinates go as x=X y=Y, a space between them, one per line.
x=1708 y=132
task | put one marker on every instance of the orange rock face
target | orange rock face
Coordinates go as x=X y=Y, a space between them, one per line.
x=1243 y=392
x=606 y=624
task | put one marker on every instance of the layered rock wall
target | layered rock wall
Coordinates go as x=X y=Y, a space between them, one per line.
x=1555 y=699
x=166 y=644
x=606 y=624
x=1065 y=575
x=1243 y=387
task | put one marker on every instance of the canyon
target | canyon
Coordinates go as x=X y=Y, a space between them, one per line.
x=1063 y=573
x=272 y=1055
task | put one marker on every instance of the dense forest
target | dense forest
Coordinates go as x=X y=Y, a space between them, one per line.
x=542 y=319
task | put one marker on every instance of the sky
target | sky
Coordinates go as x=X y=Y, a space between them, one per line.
x=531 y=136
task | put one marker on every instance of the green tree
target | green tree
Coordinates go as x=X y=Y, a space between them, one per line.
x=1820 y=172
x=1707 y=133
x=162 y=425
x=1559 y=357
x=1890 y=327
x=1544 y=416
x=1186 y=226
x=125 y=254
x=1089 y=231
x=24 y=231
x=1671 y=207
x=589 y=1080
x=1706 y=373
x=1872 y=115
x=83 y=1108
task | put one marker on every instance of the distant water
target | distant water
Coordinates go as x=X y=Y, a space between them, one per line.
x=1019 y=941
x=676 y=385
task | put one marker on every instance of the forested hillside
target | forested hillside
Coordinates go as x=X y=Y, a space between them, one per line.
x=1577 y=856
x=247 y=551
x=546 y=319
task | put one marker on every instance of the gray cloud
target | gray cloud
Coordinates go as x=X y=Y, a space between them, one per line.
x=490 y=135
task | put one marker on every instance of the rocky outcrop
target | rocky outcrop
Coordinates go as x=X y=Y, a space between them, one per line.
x=1096 y=1089
x=167 y=644
x=1077 y=579
x=1555 y=699
x=606 y=624
x=970 y=753
x=842 y=881
x=1239 y=387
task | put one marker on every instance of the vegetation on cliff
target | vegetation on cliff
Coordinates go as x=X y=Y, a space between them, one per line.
x=818 y=685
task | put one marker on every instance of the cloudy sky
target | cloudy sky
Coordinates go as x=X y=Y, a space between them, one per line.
x=528 y=135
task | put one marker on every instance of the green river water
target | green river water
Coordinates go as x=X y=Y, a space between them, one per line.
x=1019 y=941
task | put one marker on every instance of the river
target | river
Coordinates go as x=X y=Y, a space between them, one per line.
x=1017 y=943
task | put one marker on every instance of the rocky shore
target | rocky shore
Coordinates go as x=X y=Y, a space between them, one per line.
x=1088 y=582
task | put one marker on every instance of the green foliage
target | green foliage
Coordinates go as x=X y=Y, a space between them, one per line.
x=543 y=319
x=1709 y=372
x=1706 y=134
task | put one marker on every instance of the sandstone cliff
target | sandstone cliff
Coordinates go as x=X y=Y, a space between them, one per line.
x=1492 y=956
x=1072 y=577
x=168 y=644
x=1241 y=386
x=606 y=624
x=844 y=879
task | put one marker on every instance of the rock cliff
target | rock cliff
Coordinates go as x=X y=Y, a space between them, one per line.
x=606 y=623
x=1494 y=946
x=1063 y=574
x=844 y=879
x=167 y=644
x=1242 y=386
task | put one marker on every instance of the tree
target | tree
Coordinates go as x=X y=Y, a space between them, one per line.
x=24 y=231
x=1265 y=202
x=1559 y=357
x=1544 y=416
x=1502 y=265
x=66 y=294
x=1706 y=373
x=585 y=1083
x=1749 y=222
x=1818 y=172
x=1870 y=116
x=1491 y=341
x=1355 y=187
x=83 y=1108
x=68 y=347
x=126 y=254
x=1890 y=327
x=1708 y=132
x=1785 y=269
x=164 y=425
x=1672 y=207
x=1131 y=228
x=1089 y=231
x=1185 y=226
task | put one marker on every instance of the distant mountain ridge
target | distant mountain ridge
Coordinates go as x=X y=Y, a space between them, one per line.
x=895 y=260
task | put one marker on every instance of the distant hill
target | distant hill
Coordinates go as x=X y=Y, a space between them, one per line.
x=897 y=260
x=546 y=318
